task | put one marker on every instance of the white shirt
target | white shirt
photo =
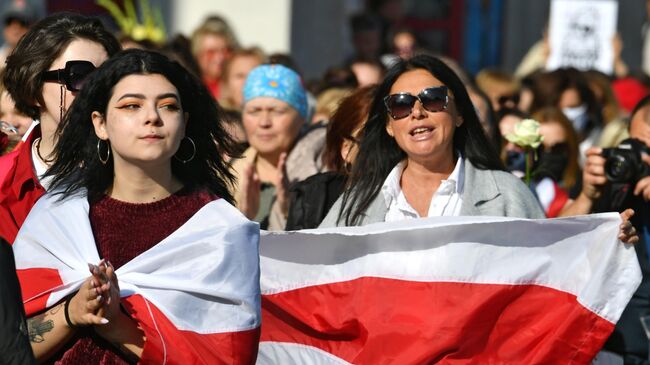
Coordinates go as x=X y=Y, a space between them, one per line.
x=446 y=201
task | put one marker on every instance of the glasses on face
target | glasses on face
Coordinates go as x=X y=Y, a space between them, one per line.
x=72 y=76
x=433 y=99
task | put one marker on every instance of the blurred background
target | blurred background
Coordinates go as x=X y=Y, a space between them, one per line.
x=318 y=33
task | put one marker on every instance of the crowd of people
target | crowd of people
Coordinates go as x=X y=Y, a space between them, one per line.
x=149 y=136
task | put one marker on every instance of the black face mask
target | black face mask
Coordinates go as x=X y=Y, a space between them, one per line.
x=516 y=161
x=553 y=162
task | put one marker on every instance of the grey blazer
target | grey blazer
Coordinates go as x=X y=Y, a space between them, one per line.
x=486 y=192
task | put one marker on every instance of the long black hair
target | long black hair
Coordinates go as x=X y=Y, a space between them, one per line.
x=77 y=166
x=379 y=153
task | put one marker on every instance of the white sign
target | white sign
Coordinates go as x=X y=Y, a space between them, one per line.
x=581 y=34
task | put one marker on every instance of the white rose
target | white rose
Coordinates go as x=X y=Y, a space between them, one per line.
x=526 y=134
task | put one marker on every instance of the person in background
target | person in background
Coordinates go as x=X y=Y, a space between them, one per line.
x=578 y=103
x=212 y=44
x=235 y=71
x=14 y=340
x=179 y=49
x=312 y=198
x=335 y=77
x=512 y=155
x=17 y=17
x=502 y=88
x=327 y=102
x=367 y=37
x=614 y=123
x=557 y=170
x=275 y=109
x=367 y=72
x=601 y=193
x=10 y=115
x=43 y=75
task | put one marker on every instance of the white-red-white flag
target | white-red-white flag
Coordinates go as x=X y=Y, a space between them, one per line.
x=195 y=294
x=450 y=290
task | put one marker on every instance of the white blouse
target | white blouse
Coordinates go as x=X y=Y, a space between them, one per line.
x=446 y=201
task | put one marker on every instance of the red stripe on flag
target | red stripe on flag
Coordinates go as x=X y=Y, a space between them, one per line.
x=376 y=320
x=167 y=344
x=36 y=285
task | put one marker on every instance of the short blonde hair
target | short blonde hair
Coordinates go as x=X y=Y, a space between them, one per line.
x=329 y=100
x=217 y=26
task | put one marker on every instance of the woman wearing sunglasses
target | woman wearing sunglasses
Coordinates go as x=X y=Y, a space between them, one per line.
x=43 y=75
x=423 y=153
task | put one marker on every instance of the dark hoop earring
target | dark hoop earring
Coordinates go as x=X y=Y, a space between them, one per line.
x=108 y=152
x=186 y=160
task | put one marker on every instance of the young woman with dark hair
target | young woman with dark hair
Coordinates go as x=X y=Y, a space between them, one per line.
x=139 y=155
x=423 y=152
x=43 y=76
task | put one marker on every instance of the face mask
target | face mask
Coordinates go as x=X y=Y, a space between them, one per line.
x=516 y=161
x=552 y=164
x=578 y=116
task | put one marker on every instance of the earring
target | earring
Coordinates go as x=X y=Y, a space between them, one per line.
x=186 y=160
x=108 y=151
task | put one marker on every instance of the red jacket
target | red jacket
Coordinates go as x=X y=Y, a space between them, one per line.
x=19 y=187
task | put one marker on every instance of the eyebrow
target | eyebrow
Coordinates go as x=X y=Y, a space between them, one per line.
x=141 y=96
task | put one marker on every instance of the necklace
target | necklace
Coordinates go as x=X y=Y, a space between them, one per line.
x=37 y=146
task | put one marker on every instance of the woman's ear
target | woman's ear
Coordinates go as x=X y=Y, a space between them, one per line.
x=100 y=125
x=389 y=130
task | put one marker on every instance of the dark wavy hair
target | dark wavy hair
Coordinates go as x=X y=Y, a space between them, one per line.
x=38 y=49
x=379 y=153
x=77 y=166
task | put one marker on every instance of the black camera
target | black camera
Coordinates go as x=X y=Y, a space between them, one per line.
x=624 y=164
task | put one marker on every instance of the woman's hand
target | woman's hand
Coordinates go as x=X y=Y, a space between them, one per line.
x=85 y=307
x=627 y=232
x=122 y=330
x=249 y=200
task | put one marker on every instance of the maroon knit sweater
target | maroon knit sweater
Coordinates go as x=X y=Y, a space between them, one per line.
x=123 y=231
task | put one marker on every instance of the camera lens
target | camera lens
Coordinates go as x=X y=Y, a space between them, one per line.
x=618 y=169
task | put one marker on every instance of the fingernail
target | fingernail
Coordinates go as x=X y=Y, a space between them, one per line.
x=99 y=298
x=90 y=267
x=103 y=321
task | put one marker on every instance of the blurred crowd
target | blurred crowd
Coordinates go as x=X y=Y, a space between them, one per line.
x=353 y=139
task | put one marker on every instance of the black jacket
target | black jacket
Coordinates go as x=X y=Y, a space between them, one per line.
x=14 y=341
x=312 y=198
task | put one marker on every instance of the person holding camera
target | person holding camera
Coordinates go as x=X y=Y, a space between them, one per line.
x=618 y=179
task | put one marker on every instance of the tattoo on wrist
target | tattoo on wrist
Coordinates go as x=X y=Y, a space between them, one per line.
x=37 y=327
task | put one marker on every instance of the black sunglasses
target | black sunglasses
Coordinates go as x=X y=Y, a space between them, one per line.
x=72 y=76
x=433 y=99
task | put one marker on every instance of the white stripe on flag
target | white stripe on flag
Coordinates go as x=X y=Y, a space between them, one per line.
x=272 y=353
x=564 y=254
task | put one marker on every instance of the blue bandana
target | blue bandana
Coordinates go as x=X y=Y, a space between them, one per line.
x=278 y=82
